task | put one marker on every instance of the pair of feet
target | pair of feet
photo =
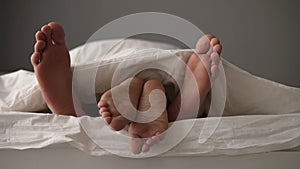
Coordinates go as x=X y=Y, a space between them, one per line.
x=51 y=62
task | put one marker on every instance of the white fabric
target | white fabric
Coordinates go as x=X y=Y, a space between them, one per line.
x=235 y=135
x=20 y=91
x=274 y=127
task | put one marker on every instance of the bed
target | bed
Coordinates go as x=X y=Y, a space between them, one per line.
x=260 y=129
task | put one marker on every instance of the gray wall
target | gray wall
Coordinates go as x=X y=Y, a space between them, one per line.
x=261 y=36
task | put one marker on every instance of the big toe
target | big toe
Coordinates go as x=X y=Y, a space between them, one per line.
x=136 y=145
x=203 y=45
x=58 y=33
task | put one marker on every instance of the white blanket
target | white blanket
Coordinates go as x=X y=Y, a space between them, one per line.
x=273 y=125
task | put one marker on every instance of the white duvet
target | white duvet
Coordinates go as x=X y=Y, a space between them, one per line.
x=267 y=113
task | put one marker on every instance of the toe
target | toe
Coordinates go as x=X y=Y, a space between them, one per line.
x=145 y=148
x=214 y=41
x=106 y=114
x=218 y=48
x=215 y=58
x=58 y=34
x=39 y=46
x=102 y=103
x=153 y=140
x=215 y=62
x=150 y=142
x=47 y=31
x=35 y=58
x=147 y=145
x=159 y=136
x=104 y=109
x=214 y=71
x=210 y=36
x=203 y=45
x=40 y=36
x=107 y=119
x=136 y=145
x=118 y=123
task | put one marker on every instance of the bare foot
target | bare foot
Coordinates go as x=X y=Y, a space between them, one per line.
x=108 y=108
x=51 y=62
x=208 y=50
x=147 y=134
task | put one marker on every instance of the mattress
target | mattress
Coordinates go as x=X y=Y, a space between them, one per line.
x=262 y=125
